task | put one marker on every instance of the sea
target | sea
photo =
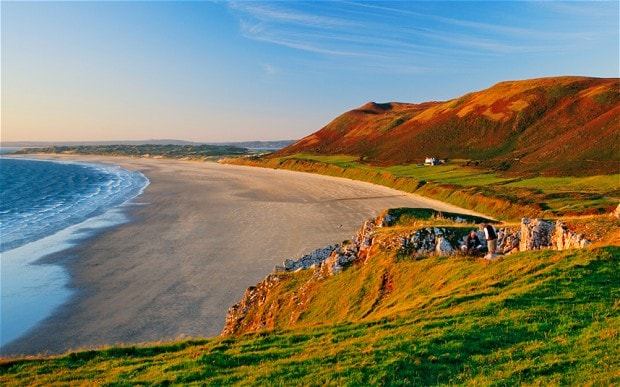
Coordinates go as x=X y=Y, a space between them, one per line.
x=47 y=207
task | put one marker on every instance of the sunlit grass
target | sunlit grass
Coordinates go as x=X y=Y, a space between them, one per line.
x=543 y=318
x=340 y=160
x=599 y=183
x=453 y=172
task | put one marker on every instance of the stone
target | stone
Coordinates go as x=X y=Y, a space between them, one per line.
x=538 y=234
x=289 y=264
x=535 y=234
x=333 y=259
x=443 y=247
x=564 y=239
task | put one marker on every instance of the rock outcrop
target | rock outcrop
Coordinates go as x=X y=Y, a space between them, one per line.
x=308 y=261
x=253 y=298
x=324 y=262
x=537 y=234
x=533 y=234
x=563 y=239
x=441 y=241
x=332 y=259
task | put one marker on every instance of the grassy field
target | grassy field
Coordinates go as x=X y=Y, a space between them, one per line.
x=453 y=172
x=501 y=195
x=532 y=318
x=458 y=172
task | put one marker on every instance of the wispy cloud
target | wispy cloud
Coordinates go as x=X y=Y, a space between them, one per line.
x=292 y=28
x=315 y=43
x=320 y=30
x=581 y=8
x=274 y=12
x=408 y=35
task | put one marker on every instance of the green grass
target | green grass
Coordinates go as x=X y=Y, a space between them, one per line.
x=451 y=173
x=599 y=183
x=339 y=160
x=536 y=318
x=456 y=172
x=532 y=318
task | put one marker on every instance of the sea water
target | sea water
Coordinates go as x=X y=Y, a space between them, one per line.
x=45 y=208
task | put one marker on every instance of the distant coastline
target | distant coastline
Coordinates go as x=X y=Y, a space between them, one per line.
x=251 y=145
x=7 y=149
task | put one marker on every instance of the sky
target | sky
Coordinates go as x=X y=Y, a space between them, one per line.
x=218 y=71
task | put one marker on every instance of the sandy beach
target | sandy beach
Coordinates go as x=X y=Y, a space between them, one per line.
x=198 y=236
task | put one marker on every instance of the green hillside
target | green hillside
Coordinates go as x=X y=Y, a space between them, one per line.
x=533 y=318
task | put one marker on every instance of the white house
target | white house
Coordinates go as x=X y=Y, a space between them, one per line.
x=431 y=161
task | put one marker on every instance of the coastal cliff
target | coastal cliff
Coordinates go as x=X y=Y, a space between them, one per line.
x=431 y=234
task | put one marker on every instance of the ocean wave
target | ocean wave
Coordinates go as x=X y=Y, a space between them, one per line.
x=59 y=195
x=37 y=222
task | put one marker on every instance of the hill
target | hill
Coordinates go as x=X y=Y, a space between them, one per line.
x=563 y=126
x=535 y=318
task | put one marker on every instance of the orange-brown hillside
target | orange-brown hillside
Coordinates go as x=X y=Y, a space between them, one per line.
x=560 y=126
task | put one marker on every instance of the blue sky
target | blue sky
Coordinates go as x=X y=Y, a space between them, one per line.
x=236 y=71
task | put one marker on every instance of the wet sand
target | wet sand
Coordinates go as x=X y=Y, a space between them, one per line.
x=198 y=236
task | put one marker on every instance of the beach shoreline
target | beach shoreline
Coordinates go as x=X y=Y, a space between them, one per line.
x=196 y=238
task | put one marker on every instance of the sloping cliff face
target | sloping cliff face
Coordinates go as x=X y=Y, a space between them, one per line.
x=561 y=126
x=252 y=313
x=259 y=308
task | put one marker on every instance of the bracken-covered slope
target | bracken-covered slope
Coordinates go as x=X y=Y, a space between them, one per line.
x=560 y=126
